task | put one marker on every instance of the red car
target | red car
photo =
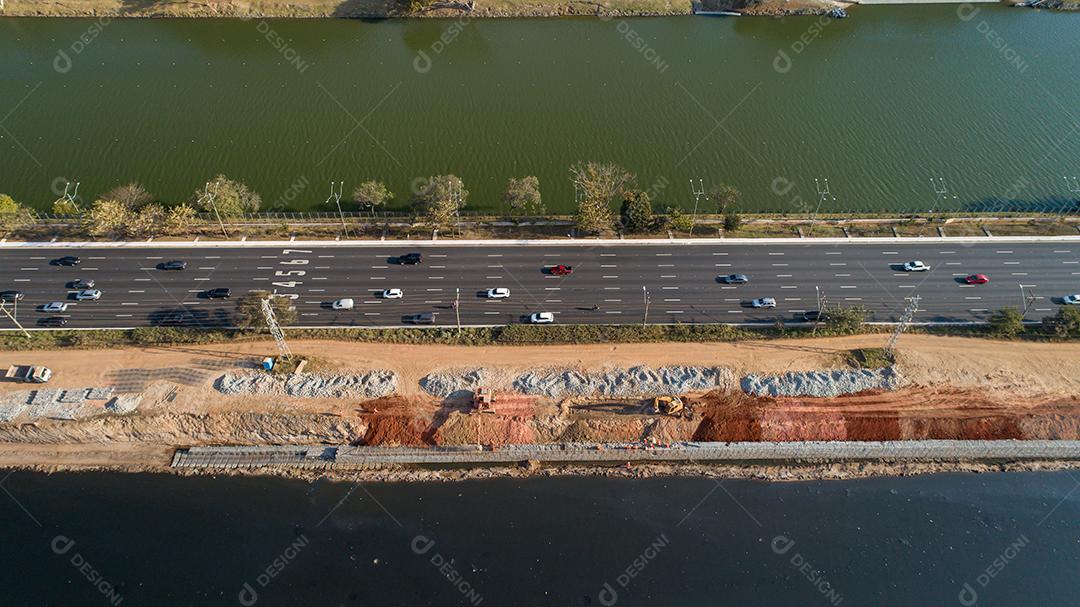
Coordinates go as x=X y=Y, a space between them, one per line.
x=976 y=279
x=561 y=270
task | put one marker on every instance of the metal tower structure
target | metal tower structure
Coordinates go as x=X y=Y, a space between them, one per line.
x=941 y=191
x=824 y=194
x=335 y=195
x=905 y=321
x=70 y=196
x=699 y=191
x=275 y=329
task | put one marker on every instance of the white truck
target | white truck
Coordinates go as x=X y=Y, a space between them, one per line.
x=30 y=374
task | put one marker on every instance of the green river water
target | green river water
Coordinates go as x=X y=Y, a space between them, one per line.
x=879 y=104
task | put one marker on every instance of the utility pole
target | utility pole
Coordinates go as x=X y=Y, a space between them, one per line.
x=645 y=317
x=209 y=197
x=275 y=329
x=1027 y=299
x=457 y=306
x=3 y=308
x=905 y=321
x=699 y=191
x=336 y=196
x=823 y=194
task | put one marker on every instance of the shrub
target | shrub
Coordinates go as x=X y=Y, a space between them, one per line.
x=1007 y=323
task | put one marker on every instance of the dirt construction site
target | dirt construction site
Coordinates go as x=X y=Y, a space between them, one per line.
x=149 y=400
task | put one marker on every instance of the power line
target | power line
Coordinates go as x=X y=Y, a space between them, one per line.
x=275 y=329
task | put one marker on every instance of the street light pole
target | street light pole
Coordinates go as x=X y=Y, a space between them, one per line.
x=457 y=306
x=645 y=317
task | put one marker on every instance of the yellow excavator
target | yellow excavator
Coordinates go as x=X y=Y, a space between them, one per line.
x=668 y=405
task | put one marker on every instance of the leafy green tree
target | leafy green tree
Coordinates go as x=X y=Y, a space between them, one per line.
x=732 y=221
x=149 y=221
x=598 y=183
x=441 y=199
x=63 y=206
x=636 y=211
x=12 y=214
x=372 y=194
x=726 y=197
x=180 y=219
x=1064 y=324
x=523 y=196
x=1007 y=323
x=679 y=220
x=109 y=219
x=230 y=198
x=845 y=321
x=249 y=312
x=132 y=195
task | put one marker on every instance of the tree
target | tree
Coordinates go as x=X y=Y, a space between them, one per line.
x=249 y=312
x=230 y=198
x=63 y=206
x=441 y=199
x=12 y=214
x=133 y=196
x=109 y=219
x=732 y=221
x=726 y=197
x=149 y=221
x=636 y=211
x=523 y=196
x=679 y=220
x=1065 y=323
x=845 y=321
x=180 y=218
x=372 y=194
x=598 y=184
x=1007 y=323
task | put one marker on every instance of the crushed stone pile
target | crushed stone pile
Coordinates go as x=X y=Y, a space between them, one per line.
x=822 y=383
x=63 y=404
x=373 y=384
x=635 y=382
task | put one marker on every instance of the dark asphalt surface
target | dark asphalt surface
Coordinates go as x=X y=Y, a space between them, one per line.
x=681 y=281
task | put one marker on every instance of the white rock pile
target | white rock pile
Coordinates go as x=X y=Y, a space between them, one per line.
x=373 y=384
x=635 y=382
x=822 y=383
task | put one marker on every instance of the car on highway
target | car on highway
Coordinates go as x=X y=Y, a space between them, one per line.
x=812 y=316
x=67 y=260
x=561 y=270
x=80 y=283
x=541 y=318
x=763 y=302
x=735 y=279
x=175 y=264
x=177 y=317
x=977 y=279
x=53 y=321
x=88 y=295
x=498 y=293
x=342 y=304
x=55 y=306
x=11 y=295
x=218 y=293
x=392 y=294
x=423 y=318
x=1071 y=300
x=410 y=259
x=915 y=266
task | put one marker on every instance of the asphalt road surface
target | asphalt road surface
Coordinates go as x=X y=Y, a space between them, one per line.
x=679 y=280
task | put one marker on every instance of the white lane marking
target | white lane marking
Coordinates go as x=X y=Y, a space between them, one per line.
x=727 y=287
x=123 y=315
x=371 y=313
x=437 y=255
x=833 y=252
x=673 y=312
x=129 y=303
x=849 y=286
x=95 y=258
x=613 y=288
x=792 y=299
x=1029 y=286
x=325 y=256
x=837 y=264
x=155 y=258
x=734 y=311
x=136 y=291
x=438 y=267
x=201 y=279
x=613 y=312
x=494 y=254
x=492 y=277
x=1069 y=262
x=978 y=310
x=1010 y=263
x=260 y=279
x=946 y=252
x=842 y=275
x=378 y=267
x=268 y=257
x=776 y=254
x=433 y=290
x=952 y=263
x=434 y=277
x=264 y=268
x=670 y=288
x=22 y=280
x=612 y=300
x=28 y=269
x=666 y=265
x=783 y=275
x=1004 y=252
x=973 y=297
x=609 y=277
x=212 y=257
x=780 y=265
x=496 y=266
x=670 y=276
x=208 y=268
x=1019 y=273
x=309 y=314
x=890 y=252
x=905 y=286
x=604 y=255
x=316 y=290
x=663 y=254
x=853 y=299
x=36 y=258
x=553 y=288
x=610 y=265
x=552 y=301
x=713 y=254
x=376 y=278
x=672 y=300
x=435 y=301
x=1056 y=251
x=723 y=265
x=789 y=287
x=492 y=312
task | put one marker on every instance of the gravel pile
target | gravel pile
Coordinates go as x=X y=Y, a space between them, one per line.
x=373 y=384
x=634 y=382
x=50 y=403
x=445 y=383
x=822 y=383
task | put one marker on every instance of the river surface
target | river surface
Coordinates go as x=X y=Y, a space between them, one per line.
x=879 y=104
x=93 y=539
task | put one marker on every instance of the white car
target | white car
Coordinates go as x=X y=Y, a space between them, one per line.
x=764 y=302
x=498 y=293
x=392 y=294
x=342 y=304
x=542 y=318
x=88 y=295
x=916 y=266
x=1071 y=300
x=54 y=306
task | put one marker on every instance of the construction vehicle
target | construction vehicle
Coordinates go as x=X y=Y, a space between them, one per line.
x=668 y=405
x=29 y=374
x=483 y=400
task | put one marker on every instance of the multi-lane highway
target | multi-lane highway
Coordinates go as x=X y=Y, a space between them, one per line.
x=610 y=283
